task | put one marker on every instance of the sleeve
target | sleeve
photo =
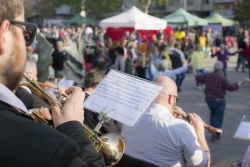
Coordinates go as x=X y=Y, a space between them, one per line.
x=231 y=54
x=80 y=152
x=214 y=54
x=200 y=78
x=122 y=65
x=230 y=86
x=192 y=151
x=176 y=71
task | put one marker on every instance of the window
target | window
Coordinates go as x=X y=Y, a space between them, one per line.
x=190 y=2
x=205 y=1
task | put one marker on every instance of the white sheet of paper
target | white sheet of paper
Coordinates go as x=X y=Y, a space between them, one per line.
x=65 y=83
x=128 y=96
x=243 y=131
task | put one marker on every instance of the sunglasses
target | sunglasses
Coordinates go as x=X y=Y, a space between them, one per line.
x=29 y=32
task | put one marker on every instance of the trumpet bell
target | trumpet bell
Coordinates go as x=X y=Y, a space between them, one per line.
x=112 y=149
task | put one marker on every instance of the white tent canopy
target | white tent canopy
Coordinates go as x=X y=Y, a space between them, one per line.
x=136 y=19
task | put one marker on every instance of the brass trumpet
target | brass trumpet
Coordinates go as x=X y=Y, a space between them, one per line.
x=215 y=131
x=110 y=146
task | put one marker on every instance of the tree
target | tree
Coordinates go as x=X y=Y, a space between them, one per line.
x=241 y=11
x=94 y=8
x=144 y=4
x=28 y=7
x=98 y=8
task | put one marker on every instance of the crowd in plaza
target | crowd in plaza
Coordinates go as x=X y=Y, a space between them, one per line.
x=86 y=54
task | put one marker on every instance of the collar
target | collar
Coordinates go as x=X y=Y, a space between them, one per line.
x=157 y=109
x=10 y=98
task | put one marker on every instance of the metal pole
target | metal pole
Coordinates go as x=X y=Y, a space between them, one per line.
x=185 y=5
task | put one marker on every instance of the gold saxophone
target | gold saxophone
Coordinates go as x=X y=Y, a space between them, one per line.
x=110 y=146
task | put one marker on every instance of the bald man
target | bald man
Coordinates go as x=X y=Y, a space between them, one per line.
x=163 y=140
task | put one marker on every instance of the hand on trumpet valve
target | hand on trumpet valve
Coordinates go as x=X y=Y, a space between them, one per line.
x=72 y=110
x=61 y=90
x=197 y=123
x=45 y=112
x=178 y=112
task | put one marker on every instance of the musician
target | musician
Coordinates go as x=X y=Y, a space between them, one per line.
x=216 y=86
x=91 y=81
x=24 y=142
x=163 y=140
x=29 y=99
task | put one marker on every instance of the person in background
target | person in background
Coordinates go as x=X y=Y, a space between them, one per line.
x=178 y=143
x=177 y=58
x=59 y=59
x=165 y=55
x=29 y=99
x=215 y=90
x=102 y=67
x=202 y=41
x=141 y=66
x=91 y=81
x=112 y=55
x=101 y=56
x=119 y=61
x=247 y=53
x=163 y=70
x=197 y=60
x=222 y=56
x=242 y=58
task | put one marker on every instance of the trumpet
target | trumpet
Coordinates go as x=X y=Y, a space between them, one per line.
x=215 y=131
x=110 y=146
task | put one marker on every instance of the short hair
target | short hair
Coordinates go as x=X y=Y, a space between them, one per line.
x=10 y=9
x=177 y=44
x=163 y=65
x=102 y=66
x=30 y=66
x=218 y=66
x=93 y=78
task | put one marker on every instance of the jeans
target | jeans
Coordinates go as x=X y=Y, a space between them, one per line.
x=225 y=71
x=202 y=71
x=241 y=62
x=217 y=108
x=179 y=79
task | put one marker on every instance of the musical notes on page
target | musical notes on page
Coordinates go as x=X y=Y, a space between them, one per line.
x=128 y=95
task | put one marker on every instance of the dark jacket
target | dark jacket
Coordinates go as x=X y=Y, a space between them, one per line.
x=59 y=58
x=25 y=143
x=140 y=71
x=176 y=60
x=30 y=100
x=91 y=120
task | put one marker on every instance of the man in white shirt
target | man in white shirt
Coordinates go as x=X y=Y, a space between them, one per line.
x=163 y=140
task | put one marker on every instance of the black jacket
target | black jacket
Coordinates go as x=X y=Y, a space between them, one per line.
x=24 y=143
x=176 y=60
x=91 y=120
x=30 y=100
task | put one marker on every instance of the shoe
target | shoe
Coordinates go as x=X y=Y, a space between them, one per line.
x=179 y=89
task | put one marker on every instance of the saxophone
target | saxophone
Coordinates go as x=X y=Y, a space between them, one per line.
x=110 y=146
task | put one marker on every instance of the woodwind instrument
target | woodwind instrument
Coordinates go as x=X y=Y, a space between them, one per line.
x=215 y=131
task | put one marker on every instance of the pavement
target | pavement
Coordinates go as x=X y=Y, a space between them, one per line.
x=191 y=99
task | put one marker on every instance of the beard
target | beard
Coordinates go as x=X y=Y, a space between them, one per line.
x=11 y=73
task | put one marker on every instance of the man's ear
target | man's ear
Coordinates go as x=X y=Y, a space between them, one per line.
x=4 y=27
x=169 y=100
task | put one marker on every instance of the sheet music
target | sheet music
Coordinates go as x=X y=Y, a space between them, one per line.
x=127 y=95
x=243 y=131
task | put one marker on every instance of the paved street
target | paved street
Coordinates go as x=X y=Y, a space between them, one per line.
x=238 y=104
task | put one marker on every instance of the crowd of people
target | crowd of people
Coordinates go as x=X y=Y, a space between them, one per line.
x=160 y=58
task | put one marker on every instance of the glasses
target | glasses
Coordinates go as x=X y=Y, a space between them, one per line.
x=29 y=32
x=176 y=97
